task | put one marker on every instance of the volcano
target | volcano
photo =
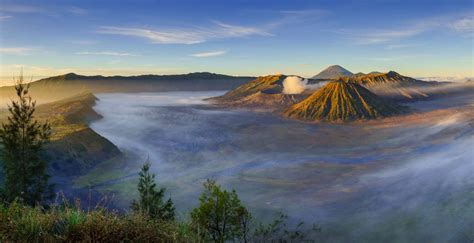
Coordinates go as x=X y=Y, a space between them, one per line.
x=332 y=72
x=343 y=100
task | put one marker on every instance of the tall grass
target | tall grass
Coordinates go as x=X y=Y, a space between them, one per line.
x=20 y=223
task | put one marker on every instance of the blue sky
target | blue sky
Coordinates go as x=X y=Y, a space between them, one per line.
x=415 y=38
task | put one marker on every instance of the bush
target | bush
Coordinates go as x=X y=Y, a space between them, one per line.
x=23 y=223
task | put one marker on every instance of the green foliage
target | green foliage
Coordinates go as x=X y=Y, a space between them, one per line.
x=21 y=223
x=22 y=138
x=151 y=201
x=220 y=216
x=278 y=231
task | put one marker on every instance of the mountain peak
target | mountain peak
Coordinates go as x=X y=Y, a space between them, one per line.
x=333 y=71
x=342 y=100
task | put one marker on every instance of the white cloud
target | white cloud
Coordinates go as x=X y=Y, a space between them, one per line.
x=463 y=24
x=107 y=53
x=398 y=46
x=53 y=11
x=19 y=8
x=458 y=22
x=4 y=17
x=84 y=42
x=208 y=54
x=391 y=58
x=383 y=36
x=77 y=11
x=186 y=36
x=16 y=50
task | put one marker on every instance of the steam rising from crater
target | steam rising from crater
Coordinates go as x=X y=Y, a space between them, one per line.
x=294 y=85
x=297 y=85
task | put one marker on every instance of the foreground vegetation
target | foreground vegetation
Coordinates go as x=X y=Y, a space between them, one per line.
x=220 y=217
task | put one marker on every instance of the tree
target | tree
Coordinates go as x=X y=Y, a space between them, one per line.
x=220 y=216
x=151 y=200
x=22 y=138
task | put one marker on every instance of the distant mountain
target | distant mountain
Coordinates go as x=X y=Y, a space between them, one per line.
x=394 y=85
x=342 y=100
x=359 y=74
x=331 y=72
x=375 y=72
x=63 y=86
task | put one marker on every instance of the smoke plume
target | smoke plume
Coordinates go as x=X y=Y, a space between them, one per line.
x=297 y=85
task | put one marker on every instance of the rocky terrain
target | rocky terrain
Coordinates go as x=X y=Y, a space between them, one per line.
x=343 y=100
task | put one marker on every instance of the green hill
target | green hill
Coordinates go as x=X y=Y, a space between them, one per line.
x=342 y=100
x=74 y=148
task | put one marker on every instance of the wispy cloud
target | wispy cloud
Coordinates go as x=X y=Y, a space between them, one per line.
x=208 y=54
x=77 y=11
x=16 y=50
x=20 y=8
x=457 y=22
x=218 y=30
x=390 y=58
x=83 y=42
x=4 y=17
x=463 y=25
x=37 y=9
x=383 y=36
x=107 y=53
x=399 y=46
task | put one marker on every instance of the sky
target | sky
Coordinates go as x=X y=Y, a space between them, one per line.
x=237 y=37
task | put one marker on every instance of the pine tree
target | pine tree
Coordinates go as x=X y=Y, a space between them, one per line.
x=151 y=200
x=22 y=139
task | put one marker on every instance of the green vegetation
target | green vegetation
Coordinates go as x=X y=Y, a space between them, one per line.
x=343 y=100
x=151 y=200
x=221 y=216
x=65 y=223
x=22 y=139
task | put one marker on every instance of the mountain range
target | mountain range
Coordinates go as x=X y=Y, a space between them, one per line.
x=67 y=85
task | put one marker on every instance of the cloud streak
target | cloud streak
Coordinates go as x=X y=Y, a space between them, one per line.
x=16 y=50
x=107 y=53
x=188 y=36
x=458 y=23
x=463 y=25
x=4 y=17
x=18 y=8
x=209 y=54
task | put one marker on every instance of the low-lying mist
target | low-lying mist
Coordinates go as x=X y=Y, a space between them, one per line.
x=409 y=178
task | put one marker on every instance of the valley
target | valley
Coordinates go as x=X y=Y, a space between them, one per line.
x=381 y=162
x=321 y=173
